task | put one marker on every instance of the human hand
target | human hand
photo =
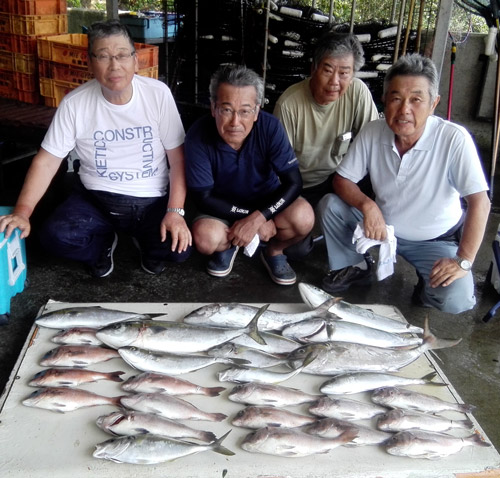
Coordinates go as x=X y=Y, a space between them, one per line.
x=175 y=224
x=267 y=230
x=244 y=230
x=374 y=225
x=444 y=272
x=12 y=221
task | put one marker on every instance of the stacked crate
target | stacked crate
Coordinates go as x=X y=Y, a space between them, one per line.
x=63 y=64
x=21 y=23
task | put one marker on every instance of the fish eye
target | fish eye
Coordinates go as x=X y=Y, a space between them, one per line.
x=240 y=413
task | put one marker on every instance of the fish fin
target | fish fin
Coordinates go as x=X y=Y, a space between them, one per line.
x=430 y=376
x=218 y=448
x=323 y=310
x=116 y=401
x=214 y=391
x=349 y=435
x=115 y=376
x=252 y=328
x=238 y=361
x=433 y=343
x=476 y=439
x=218 y=417
x=466 y=408
x=467 y=423
x=141 y=431
x=311 y=357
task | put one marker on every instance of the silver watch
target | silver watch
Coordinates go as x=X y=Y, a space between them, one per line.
x=178 y=210
x=465 y=264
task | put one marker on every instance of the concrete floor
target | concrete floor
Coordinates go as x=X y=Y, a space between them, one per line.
x=472 y=366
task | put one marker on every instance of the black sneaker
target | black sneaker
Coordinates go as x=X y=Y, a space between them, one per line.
x=104 y=266
x=342 y=279
x=150 y=266
x=416 y=298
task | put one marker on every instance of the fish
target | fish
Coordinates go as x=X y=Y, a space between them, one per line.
x=357 y=382
x=291 y=442
x=150 y=382
x=331 y=358
x=77 y=336
x=126 y=422
x=90 y=316
x=257 y=358
x=77 y=356
x=324 y=330
x=174 y=337
x=394 y=397
x=151 y=449
x=254 y=393
x=236 y=315
x=430 y=445
x=314 y=296
x=333 y=427
x=71 y=377
x=275 y=343
x=260 y=417
x=345 y=409
x=170 y=364
x=61 y=399
x=399 y=420
x=168 y=406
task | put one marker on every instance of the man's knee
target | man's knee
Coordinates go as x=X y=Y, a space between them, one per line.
x=452 y=300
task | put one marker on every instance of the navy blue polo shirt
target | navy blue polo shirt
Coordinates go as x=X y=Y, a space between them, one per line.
x=244 y=177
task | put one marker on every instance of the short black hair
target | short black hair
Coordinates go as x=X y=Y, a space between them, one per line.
x=106 y=29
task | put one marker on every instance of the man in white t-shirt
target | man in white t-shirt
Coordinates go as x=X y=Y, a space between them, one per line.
x=420 y=167
x=128 y=135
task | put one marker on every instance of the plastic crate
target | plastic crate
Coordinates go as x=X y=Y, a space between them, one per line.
x=32 y=97
x=26 y=81
x=7 y=84
x=56 y=89
x=71 y=49
x=5 y=23
x=17 y=62
x=37 y=7
x=4 y=6
x=18 y=43
x=39 y=24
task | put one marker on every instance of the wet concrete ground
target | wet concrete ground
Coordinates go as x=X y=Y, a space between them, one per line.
x=472 y=366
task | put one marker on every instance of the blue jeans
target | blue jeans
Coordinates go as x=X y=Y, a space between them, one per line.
x=85 y=224
x=338 y=221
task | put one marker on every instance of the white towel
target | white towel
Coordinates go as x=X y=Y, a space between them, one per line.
x=387 y=252
x=252 y=246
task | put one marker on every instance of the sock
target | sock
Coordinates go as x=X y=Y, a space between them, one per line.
x=362 y=265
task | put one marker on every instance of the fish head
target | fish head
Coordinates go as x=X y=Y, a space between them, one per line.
x=241 y=392
x=107 y=422
x=112 y=449
x=313 y=296
x=254 y=441
x=399 y=443
x=45 y=398
x=120 y=334
x=386 y=421
x=384 y=395
x=199 y=316
x=231 y=374
x=223 y=350
x=40 y=378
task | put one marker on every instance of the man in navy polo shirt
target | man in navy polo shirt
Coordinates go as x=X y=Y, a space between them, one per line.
x=244 y=177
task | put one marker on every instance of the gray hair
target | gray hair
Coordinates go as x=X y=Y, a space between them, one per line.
x=239 y=76
x=414 y=65
x=106 y=29
x=334 y=44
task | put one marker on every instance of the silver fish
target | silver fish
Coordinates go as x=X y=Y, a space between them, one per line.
x=275 y=343
x=357 y=382
x=313 y=296
x=71 y=377
x=174 y=337
x=58 y=399
x=399 y=420
x=331 y=358
x=135 y=423
x=260 y=417
x=333 y=427
x=170 y=364
x=168 y=406
x=149 y=382
x=77 y=336
x=269 y=394
x=395 y=397
x=291 y=442
x=91 y=316
x=257 y=358
x=150 y=449
x=77 y=356
x=345 y=409
x=324 y=330
x=430 y=445
x=237 y=315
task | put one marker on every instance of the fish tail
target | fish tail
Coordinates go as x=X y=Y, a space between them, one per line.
x=116 y=401
x=214 y=391
x=252 y=329
x=466 y=408
x=218 y=448
x=464 y=423
x=476 y=439
x=115 y=376
x=217 y=417
x=323 y=310
x=429 y=377
x=431 y=342
x=207 y=437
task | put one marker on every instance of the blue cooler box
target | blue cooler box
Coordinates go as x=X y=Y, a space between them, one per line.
x=150 y=26
x=12 y=267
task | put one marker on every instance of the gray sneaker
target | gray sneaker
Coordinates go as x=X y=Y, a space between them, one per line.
x=221 y=263
x=279 y=269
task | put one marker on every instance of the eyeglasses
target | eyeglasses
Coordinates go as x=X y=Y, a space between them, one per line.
x=243 y=114
x=106 y=59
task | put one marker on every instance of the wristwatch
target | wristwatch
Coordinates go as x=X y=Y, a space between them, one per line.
x=465 y=264
x=178 y=210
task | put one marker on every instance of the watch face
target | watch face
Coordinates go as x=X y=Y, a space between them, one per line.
x=465 y=264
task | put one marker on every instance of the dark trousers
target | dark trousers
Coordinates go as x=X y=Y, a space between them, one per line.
x=85 y=224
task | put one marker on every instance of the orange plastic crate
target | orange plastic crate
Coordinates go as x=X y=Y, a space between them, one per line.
x=39 y=24
x=26 y=81
x=29 y=96
x=36 y=7
x=17 y=62
x=56 y=89
x=7 y=85
x=18 y=43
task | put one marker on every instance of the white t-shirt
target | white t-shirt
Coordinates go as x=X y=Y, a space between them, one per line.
x=419 y=194
x=121 y=147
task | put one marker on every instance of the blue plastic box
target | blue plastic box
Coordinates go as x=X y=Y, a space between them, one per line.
x=12 y=267
x=150 y=26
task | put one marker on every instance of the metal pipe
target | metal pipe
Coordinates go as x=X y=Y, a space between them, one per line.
x=353 y=9
x=330 y=13
x=400 y=27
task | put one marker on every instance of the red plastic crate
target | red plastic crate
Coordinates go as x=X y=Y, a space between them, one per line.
x=39 y=24
x=29 y=96
x=7 y=84
x=26 y=81
x=18 y=43
x=36 y=7
x=5 y=23
x=4 y=5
